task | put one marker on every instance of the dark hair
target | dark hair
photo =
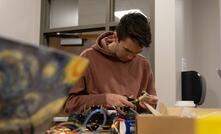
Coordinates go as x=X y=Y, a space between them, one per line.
x=136 y=27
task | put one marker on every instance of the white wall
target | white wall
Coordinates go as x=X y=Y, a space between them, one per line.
x=198 y=42
x=165 y=55
x=20 y=20
x=184 y=52
x=206 y=45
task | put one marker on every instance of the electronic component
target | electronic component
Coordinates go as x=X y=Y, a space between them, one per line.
x=116 y=119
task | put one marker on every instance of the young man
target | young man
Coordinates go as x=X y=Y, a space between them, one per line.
x=116 y=71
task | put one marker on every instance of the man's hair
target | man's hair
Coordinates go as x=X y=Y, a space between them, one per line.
x=136 y=27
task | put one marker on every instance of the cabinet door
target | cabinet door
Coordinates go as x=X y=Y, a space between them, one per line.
x=68 y=13
x=88 y=39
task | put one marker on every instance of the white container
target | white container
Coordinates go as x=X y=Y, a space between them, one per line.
x=186 y=108
x=185 y=104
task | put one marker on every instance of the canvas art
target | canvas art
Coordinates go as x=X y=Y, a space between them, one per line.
x=34 y=83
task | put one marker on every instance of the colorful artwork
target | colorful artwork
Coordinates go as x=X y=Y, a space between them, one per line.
x=34 y=83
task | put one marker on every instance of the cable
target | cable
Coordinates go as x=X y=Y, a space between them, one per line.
x=103 y=112
x=118 y=110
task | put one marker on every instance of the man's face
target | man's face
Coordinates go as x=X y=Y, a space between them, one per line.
x=127 y=49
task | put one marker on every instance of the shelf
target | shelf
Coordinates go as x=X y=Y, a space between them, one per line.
x=75 y=29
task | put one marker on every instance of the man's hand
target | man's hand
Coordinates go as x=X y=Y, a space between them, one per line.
x=118 y=100
x=150 y=99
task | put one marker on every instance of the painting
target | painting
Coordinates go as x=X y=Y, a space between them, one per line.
x=34 y=83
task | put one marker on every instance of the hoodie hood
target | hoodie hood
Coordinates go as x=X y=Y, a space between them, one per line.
x=102 y=44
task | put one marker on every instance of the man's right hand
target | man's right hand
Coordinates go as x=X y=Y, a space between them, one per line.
x=118 y=100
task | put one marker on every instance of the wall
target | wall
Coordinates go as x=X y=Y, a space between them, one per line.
x=20 y=19
x=184 y=58
x=165 y=55
x=206 y=45
x=198 y=44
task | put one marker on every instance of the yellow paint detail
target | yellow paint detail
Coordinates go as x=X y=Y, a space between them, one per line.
x=32 y=95
x=50 y=70
x=11 y=54
x=34 y=65
x=74 y=69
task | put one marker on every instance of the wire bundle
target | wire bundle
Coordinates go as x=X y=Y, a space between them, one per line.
x=65 y=128
x=97 y=126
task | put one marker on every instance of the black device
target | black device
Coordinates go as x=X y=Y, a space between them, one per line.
x=193 y=87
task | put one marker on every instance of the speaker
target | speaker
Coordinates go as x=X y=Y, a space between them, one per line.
x=193 y=87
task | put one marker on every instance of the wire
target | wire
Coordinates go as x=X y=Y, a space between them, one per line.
x=103 y=112
x=118 y=110
x=134 y=111
x=145 y=94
